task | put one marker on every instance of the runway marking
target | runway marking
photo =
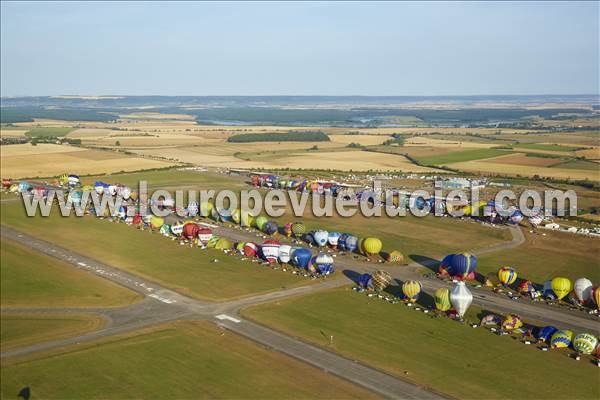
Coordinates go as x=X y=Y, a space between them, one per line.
x=160 y=298
x=227 y=317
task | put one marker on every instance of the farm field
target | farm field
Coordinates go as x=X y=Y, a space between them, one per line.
x=440 y=354
x=187 y=360
x=365 y=140
x=461 y=156
x=48 y=131
x=32 y=279
x=492 y=166
x=46 y=160
x=17 y=330
x=188 y=270
x=544 y=257
x=529 y=160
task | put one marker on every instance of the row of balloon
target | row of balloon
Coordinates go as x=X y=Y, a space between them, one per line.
x=456 y=301
x=462 y=267
x=271 y=251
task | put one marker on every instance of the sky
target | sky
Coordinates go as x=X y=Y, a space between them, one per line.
x=301 y=48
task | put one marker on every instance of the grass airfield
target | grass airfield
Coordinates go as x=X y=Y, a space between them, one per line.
x=439 y=353
x=187 y=360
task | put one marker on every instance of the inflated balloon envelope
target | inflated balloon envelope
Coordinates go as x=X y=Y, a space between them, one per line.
x=461 y=298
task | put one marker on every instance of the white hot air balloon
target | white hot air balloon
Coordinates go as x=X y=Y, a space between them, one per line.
x=583 y=290
x=321 y=238
x=126 y=192
x=285 y=251
x=461 y=298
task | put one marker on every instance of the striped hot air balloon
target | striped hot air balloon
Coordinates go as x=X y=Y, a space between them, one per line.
x=411 y=290
x=585 y=343
x=526 y=287
x=371 y=246
x=381 y=280
x=596 y=296
x=270 y=250
x=460 y=266
x=204 y=234
x=250 y=249
x=298 y=229
x=512 y=322
x=395 y=257
x=507 y=275
x=561 y=339
x=165 y=229
x=442 y=299
x=561 y=287
x=212 y=242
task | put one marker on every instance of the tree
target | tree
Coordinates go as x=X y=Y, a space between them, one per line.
x=117 y=143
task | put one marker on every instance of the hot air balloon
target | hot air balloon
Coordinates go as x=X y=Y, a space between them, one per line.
x=596 y=296
x=561 y=339
x=561 y=287
x=324 y=264
x=411 y=290
x=287 y=230
x=270 y=250
x=512 y=322
x=74 y=197
x=239 y=247
x=212 y=242
x=395 y=257
x=223 y=244
x=365 y=281
x=298 y=229
x=99 y=187
x=301 y=257
x=165 y=229
x=190 y=231
x=507 y=276
x=516 y=217
x=342 y=242
x=583 y=290
x=63 y=180
x=546 y=333
x=206 y=208
x=526 y=287
x=204 y=234
x=13 y=188
x=192 y=209
x=585 y=343
x=460 y=266
x=25 y=187
x=39 y=192
x=381 y=280
x=333 y=239
x=137 y=219
x=442 y=299
x=371 y=246
x=214 y=215
x=547 y=291
x=491 y=319
x=270 y=227
x=122 y=213
x=73 y=180
x=351 y=243
x=6 y=183
x=246 y=219
x=250 y=249
x=461 y=298
x=156 y=222
x=236 y=216
x=285 y=251
x=320 y=237
x=177 y=228
x=260 y=222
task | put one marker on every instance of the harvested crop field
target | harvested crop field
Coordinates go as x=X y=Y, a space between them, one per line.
x=457 y=144
x=4 y=132
x=46 y=160
x=523 y=159
x=365 y=140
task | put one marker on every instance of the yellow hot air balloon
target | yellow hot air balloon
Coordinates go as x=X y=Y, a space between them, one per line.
x=442 y=299
x=411 y=289
x=511 y=322
x=596 y=296
x=223 y=244
x=561 y=287
x=396 y=257
x=372 y=246
x=156 y=222
x=507 y=275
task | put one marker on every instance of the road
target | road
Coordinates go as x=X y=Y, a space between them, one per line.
x=162 y=305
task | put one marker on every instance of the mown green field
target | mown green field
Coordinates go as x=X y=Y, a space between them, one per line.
x=437 y=353
x=580 y=164
x=461 y=156
x=544 y=257
x=48 y=131
x=547 y=147
x=176 y=361
x=189 y=270
x=17 y=330
x=169 y=178
x=32 y=279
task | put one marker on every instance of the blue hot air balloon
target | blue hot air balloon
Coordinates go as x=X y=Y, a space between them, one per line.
x=461 y=266
x=301 y=257
x=342 y=241
x=270 y=227
x=546 y=333
x=365 y=281
x=516 y=217
x=351 y=243
x=324 y=264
